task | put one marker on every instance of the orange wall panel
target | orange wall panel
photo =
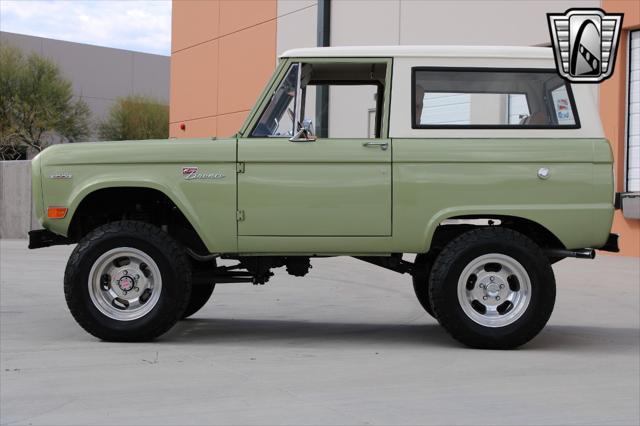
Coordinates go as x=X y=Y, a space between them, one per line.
x=613 y=110
x=223 y=52
x=630 y=8
x=194 y=82
x=193 y=22
x=239 y=14
x=629 y=231
x=200 y=128
x=247 y=60
x=229 y=124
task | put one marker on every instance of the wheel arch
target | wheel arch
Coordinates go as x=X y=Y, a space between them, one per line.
x=450 y=227
x=110 y=201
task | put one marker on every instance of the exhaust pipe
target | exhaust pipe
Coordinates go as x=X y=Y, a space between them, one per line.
x=579 y=254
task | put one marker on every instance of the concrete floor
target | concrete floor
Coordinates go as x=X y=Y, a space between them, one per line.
x=348 y=344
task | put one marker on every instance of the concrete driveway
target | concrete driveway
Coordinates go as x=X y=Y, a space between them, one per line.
x=348 y=344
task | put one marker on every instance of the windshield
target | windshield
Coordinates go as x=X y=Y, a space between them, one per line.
x=278 y=117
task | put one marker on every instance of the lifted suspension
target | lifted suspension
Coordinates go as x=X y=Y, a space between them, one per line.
x=393 y=262
x=256 y=270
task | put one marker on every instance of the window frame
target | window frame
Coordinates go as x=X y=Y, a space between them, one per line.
x=296 y=101
x=380 y=90
x=627 y=113
x=415 y=125
x=263 y=100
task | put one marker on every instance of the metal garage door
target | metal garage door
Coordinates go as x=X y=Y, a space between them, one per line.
x=633 y=126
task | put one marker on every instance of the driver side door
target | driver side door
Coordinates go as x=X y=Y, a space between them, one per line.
x=338 y=185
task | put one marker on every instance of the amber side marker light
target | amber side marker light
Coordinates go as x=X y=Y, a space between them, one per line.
x=56 y=212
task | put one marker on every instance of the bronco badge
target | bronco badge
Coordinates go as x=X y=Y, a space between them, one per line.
x=191 y=173
x=60 y=175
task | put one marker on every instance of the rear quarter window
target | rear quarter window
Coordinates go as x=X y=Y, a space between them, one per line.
x=491 y=98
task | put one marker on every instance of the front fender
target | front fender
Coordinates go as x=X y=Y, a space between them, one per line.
x=209 y=205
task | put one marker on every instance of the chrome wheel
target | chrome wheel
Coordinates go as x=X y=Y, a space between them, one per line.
x=494 y=290
x=125 y=284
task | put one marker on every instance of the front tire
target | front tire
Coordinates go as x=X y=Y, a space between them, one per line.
x=492 y=288
x=127 y=281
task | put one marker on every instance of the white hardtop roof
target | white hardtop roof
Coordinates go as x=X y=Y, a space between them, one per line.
x=519 y=52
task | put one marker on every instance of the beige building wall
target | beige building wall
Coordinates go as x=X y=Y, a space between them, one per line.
x=99 y=75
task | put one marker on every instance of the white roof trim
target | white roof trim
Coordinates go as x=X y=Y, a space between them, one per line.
x=423 y=51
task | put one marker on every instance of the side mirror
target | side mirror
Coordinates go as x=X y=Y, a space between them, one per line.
x=304 y=133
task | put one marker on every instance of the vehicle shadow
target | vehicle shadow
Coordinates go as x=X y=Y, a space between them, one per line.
x=212 y=331
x=577 y=338
x=565 y=338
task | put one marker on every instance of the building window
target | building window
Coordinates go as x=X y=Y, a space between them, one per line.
x=491 y=98
x=633 y=118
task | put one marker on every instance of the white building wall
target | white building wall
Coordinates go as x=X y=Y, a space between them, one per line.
x=521 y=22
x=297 y=24
x=297 y=27
x=365 y=23
x=466 y=22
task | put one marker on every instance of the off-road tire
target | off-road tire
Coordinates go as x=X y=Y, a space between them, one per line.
x=448 y=266
x=174 y=270
x=200 y=295
x=420 y=279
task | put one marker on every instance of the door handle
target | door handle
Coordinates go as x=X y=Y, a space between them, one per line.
x=382 y=145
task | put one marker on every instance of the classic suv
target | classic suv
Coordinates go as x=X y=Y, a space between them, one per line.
x=480 y=160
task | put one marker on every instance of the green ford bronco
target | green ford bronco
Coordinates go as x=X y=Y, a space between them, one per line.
x=482 y=161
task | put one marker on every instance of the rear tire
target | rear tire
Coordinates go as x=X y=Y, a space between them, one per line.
x=200 y=295
x=492 y=288
x=127 y=281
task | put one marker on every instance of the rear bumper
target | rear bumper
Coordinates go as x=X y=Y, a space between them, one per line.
x=45 y=238
x=629 y=203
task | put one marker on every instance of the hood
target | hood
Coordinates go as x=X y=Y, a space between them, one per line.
x=137 y=151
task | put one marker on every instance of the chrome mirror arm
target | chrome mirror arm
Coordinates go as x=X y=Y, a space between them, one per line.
x=302 y=135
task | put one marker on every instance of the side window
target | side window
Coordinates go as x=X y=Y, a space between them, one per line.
x=518 y=108
x=353 y=110
x=490 y=98
x=562 y=106
x=443 y=107
x=278 y=117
